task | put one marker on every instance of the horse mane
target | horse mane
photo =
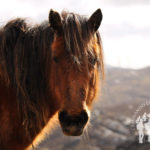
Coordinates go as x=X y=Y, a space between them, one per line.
x=24 y=59
x=25 y=54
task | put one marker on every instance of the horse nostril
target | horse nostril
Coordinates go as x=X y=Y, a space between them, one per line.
x=62 y=116
x=84 y=117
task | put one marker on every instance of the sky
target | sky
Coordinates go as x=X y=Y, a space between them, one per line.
x=125 y=28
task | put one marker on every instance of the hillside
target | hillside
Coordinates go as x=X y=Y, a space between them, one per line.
x=123 y=92
x=126 y=87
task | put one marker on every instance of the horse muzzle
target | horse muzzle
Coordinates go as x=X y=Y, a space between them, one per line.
x=73 y=125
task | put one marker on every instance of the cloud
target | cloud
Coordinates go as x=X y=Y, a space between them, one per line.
x=125 y=29
x=127 y=2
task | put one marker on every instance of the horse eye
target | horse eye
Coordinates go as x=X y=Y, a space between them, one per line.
x=92 y=60
x=56 y=59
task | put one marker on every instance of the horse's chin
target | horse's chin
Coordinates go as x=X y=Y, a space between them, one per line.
x=72 y=132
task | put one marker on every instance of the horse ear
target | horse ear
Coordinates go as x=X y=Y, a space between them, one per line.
x=95 y=20
x=55 y=21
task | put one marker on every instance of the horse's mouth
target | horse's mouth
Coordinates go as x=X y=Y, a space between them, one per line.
x=72 y=131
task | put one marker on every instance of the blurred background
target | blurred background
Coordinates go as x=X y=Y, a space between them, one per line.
x=125 y=32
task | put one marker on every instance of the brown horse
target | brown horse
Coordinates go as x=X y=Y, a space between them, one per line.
x=47 y=69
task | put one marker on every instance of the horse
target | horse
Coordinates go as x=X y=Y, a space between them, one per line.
x=47 y=69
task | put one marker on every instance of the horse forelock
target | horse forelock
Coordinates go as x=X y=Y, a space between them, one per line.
x=78 y=39
x=75 y=30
